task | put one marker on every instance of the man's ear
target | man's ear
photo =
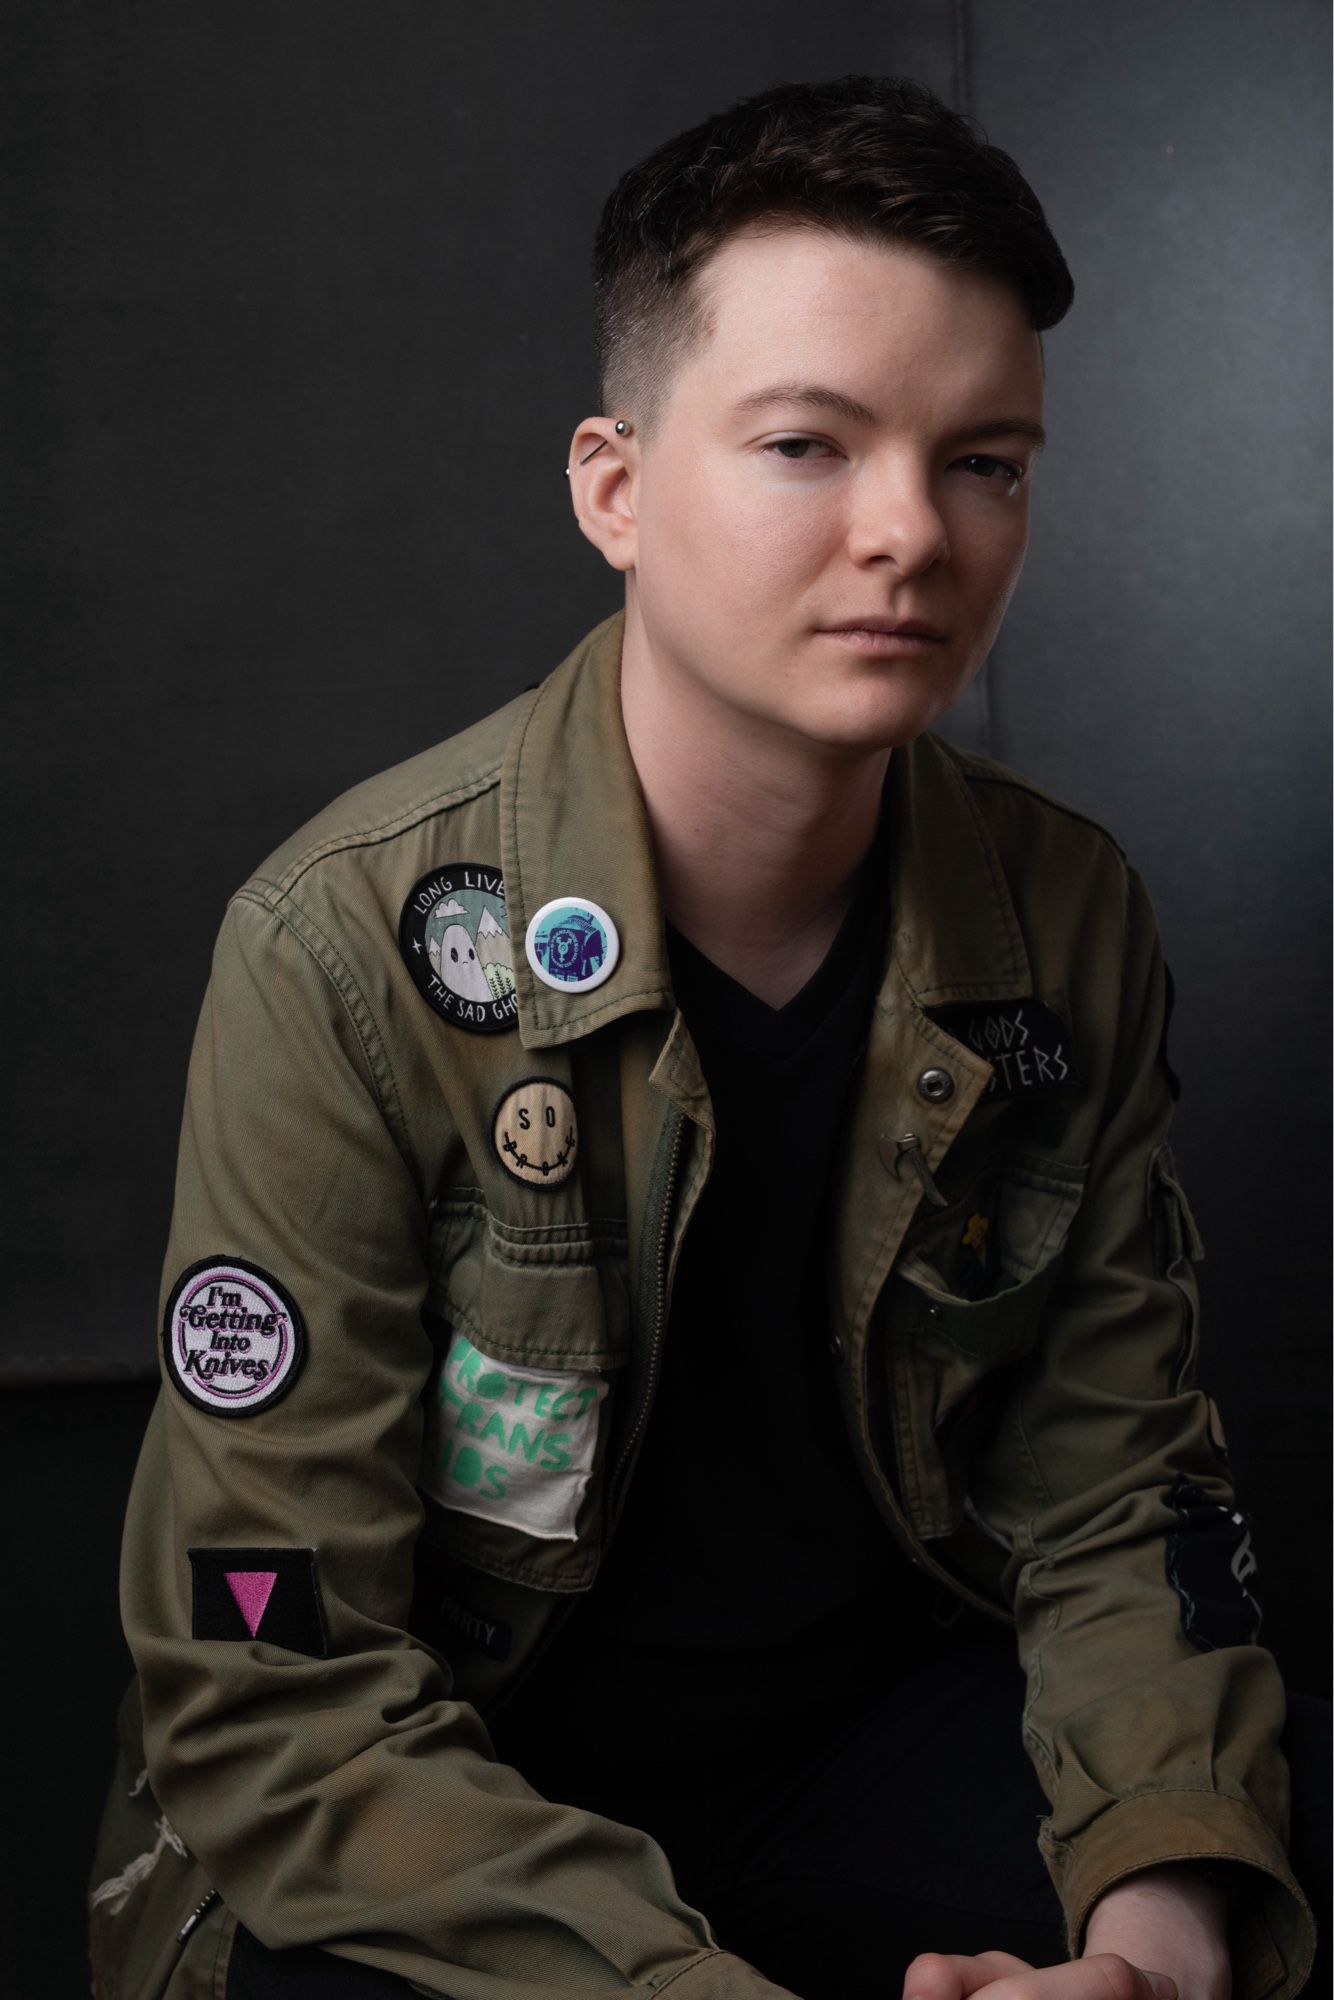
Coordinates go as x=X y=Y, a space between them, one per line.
x=602 y=489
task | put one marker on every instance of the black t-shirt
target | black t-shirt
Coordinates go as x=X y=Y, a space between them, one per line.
x=751 y=1585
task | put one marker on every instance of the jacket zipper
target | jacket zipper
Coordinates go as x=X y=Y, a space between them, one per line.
x=184 y=1932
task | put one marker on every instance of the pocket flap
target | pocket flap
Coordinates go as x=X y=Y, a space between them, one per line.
x=982 y=1267
x=549 y=1298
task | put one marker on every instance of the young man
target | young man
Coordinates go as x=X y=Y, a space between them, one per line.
x=676 y=1248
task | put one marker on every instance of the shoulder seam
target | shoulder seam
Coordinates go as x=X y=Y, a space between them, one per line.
x=372 y=836
x=970 y=767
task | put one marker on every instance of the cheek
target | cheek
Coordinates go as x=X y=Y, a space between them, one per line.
x=729 y=535
x=991 y=552
x=1011 y=562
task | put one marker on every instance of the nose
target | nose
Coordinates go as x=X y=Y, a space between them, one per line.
x=897 y=520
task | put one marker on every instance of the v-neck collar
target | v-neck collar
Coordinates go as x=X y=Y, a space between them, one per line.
x=718 y=1004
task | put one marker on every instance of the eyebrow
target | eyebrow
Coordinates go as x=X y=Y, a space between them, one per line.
x=814 y=396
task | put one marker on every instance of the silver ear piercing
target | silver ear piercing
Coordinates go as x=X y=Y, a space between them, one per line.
x=623 y=429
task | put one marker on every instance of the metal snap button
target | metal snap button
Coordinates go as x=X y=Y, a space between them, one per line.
x=934 y=1313
x=935 y=1085
x=835 y=1345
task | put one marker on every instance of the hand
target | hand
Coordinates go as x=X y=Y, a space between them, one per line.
x=1102 y=1976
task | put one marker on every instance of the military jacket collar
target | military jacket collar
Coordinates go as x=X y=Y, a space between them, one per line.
x=573 y=823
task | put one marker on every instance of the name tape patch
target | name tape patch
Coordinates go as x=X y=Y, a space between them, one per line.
x=491 y=1636
x=268 y=1594
x=510 y=1445
x=454 y=937
x=232 y=1339
x=1026 y=1041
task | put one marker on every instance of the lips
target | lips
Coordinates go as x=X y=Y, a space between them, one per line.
x=904 y=628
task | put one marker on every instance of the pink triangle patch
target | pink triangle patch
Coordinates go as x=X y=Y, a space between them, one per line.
x=252 y=1589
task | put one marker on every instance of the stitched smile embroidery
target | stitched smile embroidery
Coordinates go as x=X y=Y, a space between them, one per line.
x=535 y=1132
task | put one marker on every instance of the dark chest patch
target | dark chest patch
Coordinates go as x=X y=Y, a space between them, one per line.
x=1210 y=1564
x=268 y=1594
x=1027 y=1043
x=454 y=937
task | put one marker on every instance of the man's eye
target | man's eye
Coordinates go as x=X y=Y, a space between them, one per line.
x=797 y=449
x=1000 y=471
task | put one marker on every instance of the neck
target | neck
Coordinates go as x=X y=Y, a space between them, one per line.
x=757 y=832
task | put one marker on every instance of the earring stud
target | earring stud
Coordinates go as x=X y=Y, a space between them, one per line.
x=623 y=429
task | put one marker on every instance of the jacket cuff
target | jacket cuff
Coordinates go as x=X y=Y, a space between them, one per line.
x=717 y=1975
x=1271 y=1932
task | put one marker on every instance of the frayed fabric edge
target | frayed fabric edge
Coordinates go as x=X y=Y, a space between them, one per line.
x=113 y=1894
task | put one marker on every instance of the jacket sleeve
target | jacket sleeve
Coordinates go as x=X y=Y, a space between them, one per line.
x=1152 y=1716
x=325 y=1778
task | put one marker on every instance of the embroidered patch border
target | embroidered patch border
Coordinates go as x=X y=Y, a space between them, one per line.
x=272 y=1595
x=453 y=933
x=233 y=1341
x=538 y=1112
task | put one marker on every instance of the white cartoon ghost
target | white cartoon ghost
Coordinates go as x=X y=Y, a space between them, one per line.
x=456 y=963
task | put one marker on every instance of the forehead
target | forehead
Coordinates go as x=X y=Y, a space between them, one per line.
x=792 y=302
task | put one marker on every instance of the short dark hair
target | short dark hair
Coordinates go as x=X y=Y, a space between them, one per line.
x=867 y=157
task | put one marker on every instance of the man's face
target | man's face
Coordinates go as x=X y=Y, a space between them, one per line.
x=828 y=454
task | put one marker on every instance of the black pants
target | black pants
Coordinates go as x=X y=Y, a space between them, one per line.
x=911 y=1828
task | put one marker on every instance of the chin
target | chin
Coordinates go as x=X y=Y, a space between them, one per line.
x=867 y=726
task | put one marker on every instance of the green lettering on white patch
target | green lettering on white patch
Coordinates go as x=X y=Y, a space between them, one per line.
x=508 y=1444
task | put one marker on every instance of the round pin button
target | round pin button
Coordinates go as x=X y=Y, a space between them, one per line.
x=935 y=1085
x=572 y=944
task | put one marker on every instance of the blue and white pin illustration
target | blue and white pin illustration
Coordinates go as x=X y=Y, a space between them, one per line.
x=454 y=936
x=572 y=944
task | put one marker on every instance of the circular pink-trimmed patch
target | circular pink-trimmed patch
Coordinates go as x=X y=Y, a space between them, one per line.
x=232 y=1339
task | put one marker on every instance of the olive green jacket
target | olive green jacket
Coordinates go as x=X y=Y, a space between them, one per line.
x=1024 y=1445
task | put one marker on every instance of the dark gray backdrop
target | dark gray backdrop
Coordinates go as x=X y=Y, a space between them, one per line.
x=300 y=324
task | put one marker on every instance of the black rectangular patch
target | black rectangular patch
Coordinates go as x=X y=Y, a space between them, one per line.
x=1210 y=1563
x=1026 y=1041
x=491 y=1636
x=268 y=1594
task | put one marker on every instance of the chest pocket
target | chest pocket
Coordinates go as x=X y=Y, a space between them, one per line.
x=962 y=1310
x=531 y=1333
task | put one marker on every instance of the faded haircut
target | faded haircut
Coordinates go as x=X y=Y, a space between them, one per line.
x=874 y=159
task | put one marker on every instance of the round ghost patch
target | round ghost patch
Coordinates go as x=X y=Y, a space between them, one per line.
x=454 y=936
x=232 y=1339
x=535 y=1132
x=572 y=944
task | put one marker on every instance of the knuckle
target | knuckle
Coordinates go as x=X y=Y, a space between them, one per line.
x=928 y=1974
x=1120 y=1980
